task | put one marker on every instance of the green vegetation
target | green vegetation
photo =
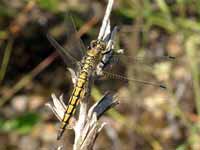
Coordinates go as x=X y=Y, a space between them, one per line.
x=22 y=124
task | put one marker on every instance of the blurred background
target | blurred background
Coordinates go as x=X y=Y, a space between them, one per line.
x=147 y=116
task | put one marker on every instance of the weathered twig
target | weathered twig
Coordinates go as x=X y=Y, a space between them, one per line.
x=87 y=127
x=87 y=131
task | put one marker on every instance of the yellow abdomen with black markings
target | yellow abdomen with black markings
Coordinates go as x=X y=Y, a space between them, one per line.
x=79 y=90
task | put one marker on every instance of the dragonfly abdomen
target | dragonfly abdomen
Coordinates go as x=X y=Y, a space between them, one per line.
x=77 y=94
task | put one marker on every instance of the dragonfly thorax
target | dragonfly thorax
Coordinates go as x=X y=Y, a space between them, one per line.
x=96 y=48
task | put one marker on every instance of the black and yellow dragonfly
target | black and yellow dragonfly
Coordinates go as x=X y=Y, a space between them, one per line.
x=88 y=66
x=93 y=63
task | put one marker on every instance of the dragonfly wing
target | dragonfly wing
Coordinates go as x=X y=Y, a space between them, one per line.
x=144 y=62
x=140 y=81
x=68 y=58
x=143 y=69
x=74 y=41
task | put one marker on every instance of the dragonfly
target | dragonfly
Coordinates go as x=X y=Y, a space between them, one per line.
x=92 y=63
x=89 y=66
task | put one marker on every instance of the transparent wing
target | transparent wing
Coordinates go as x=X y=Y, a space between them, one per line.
x=146 y=61
x=73 y=49
x=74 y=35
x=136 y=80
x=67 y=58
x=142 y=66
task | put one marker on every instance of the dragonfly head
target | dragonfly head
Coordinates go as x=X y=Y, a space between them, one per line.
x=97 y=47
